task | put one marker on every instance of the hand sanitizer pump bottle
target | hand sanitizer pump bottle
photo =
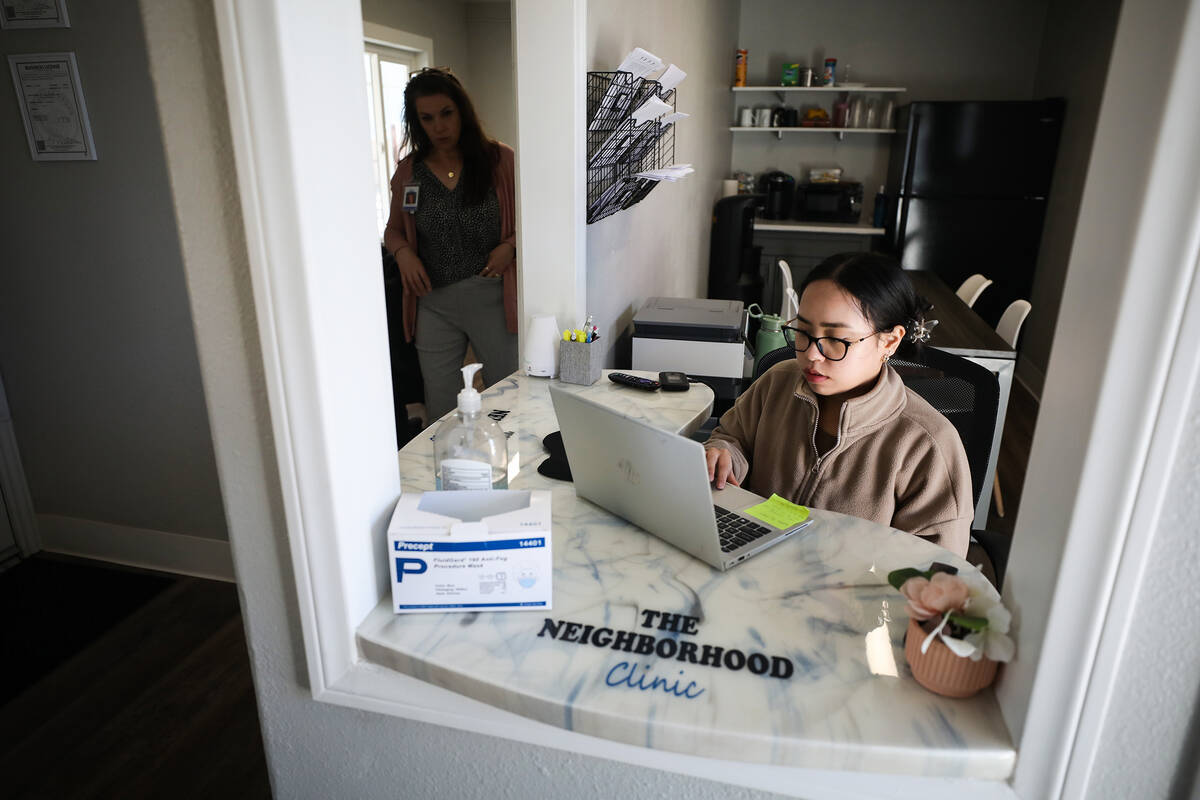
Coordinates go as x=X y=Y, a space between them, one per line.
x=469 y=449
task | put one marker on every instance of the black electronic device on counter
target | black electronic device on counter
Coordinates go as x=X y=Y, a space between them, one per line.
x=779 y=188
x=829 y=202
x=673 y=381
x=634 y=381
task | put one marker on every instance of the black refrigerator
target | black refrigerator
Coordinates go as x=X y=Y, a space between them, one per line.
x=967 y=189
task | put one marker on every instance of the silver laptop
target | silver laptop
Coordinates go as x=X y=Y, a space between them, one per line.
x=659 y=481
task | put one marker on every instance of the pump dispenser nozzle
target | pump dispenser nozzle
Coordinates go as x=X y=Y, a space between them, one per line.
x=468 y=398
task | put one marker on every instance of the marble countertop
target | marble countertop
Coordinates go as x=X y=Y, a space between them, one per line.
x=811 y=669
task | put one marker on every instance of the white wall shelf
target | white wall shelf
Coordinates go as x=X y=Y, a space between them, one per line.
x=818 y=89
x=839 y=132
x=798 y=129
x=793 y=226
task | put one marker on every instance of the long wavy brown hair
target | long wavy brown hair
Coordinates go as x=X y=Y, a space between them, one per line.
x=480 y=152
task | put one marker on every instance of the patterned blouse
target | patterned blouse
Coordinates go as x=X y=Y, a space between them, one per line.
x=454 y=239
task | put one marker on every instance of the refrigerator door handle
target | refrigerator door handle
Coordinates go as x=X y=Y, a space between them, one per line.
x=914 y=130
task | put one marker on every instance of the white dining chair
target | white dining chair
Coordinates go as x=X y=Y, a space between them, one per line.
x=1009 y=328
x=792 y=305
x=972 y=287
x=785 y=308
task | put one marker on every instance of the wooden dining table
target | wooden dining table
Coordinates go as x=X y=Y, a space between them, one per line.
x=964 y=333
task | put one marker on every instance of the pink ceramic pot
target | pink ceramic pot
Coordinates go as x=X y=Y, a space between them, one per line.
x=942 y=672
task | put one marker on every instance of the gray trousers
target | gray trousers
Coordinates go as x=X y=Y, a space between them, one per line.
x=471 y=310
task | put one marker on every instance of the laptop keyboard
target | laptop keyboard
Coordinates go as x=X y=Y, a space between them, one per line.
x=735 y=530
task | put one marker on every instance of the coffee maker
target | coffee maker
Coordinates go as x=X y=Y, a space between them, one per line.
x=779 y=189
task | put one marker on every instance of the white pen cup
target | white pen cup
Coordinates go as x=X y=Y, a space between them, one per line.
x=746 y=117
x=729 y=187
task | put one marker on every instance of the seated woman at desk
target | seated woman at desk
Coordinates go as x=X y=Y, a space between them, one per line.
x=836 y=428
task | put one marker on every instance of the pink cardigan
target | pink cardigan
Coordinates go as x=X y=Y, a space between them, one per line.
x=401 y=231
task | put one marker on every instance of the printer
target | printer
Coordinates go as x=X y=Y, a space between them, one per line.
x=704 y=338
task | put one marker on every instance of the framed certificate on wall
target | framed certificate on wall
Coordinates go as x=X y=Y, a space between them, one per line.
x=34 y=14
x=51 y=100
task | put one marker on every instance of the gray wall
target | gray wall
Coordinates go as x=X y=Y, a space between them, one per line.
x=937 y=49
x=445 y=22
x=96 y=342
x=493 y=91
x=1073 y=64
x=660 y=246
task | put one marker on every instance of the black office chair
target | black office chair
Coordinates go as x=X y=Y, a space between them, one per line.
x=773 y=357
x=967 y=394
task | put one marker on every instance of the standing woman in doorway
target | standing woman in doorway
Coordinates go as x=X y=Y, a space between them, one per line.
x=452 y=232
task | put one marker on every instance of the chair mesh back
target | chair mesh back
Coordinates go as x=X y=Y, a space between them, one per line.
x=966 y=393
x=776 y=356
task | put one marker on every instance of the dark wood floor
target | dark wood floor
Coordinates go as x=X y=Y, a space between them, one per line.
x=160 y=705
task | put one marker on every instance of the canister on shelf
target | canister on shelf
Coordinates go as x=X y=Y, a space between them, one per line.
x=739 y=67
x=885 y=114
x=854 y=119
x=871 y=115
x=830 y=70
x=840 y=110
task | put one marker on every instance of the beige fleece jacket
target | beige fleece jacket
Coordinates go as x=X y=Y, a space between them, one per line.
x=897 y=460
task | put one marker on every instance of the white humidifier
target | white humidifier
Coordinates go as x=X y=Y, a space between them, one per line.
x=541 y=346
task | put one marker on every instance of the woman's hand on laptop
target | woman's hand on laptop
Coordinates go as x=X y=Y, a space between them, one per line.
x=720 y=467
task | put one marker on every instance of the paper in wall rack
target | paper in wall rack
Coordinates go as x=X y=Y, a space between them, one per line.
x=630 y=130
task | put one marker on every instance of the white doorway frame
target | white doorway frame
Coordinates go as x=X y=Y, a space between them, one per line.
x=293 y=81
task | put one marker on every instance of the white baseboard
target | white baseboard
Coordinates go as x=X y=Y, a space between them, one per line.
x=137 y=547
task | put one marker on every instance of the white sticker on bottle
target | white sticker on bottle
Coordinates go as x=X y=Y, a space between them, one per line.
x=461 y=473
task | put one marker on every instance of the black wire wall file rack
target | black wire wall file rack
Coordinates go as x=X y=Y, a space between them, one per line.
x=618 y=147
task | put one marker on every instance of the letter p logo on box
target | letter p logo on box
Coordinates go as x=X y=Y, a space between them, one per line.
x=412 y=566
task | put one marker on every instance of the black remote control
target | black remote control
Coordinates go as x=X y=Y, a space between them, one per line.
x=633 y=380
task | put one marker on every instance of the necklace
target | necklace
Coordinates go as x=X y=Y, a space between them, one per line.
x=450 y=171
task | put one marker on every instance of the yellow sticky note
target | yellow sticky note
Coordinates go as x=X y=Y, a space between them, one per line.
x=777 y=512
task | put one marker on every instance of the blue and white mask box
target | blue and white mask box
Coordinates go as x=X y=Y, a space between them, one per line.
x=485 y=550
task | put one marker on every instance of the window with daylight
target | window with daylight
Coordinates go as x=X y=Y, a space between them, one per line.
x=387 y=70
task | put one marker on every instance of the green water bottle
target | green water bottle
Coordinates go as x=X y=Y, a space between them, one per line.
x=770 y=336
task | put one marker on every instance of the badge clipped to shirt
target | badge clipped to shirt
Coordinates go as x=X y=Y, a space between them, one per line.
x=412 y=192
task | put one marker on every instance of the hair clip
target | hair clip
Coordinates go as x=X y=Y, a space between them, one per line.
x=923 y=329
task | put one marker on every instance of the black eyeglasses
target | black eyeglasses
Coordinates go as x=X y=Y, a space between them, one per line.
x=831 y=347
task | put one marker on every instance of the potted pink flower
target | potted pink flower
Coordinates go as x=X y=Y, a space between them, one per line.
x=957 y=629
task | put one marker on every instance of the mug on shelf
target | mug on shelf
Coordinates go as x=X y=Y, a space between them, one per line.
x=762 y=117
x=746 y=117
